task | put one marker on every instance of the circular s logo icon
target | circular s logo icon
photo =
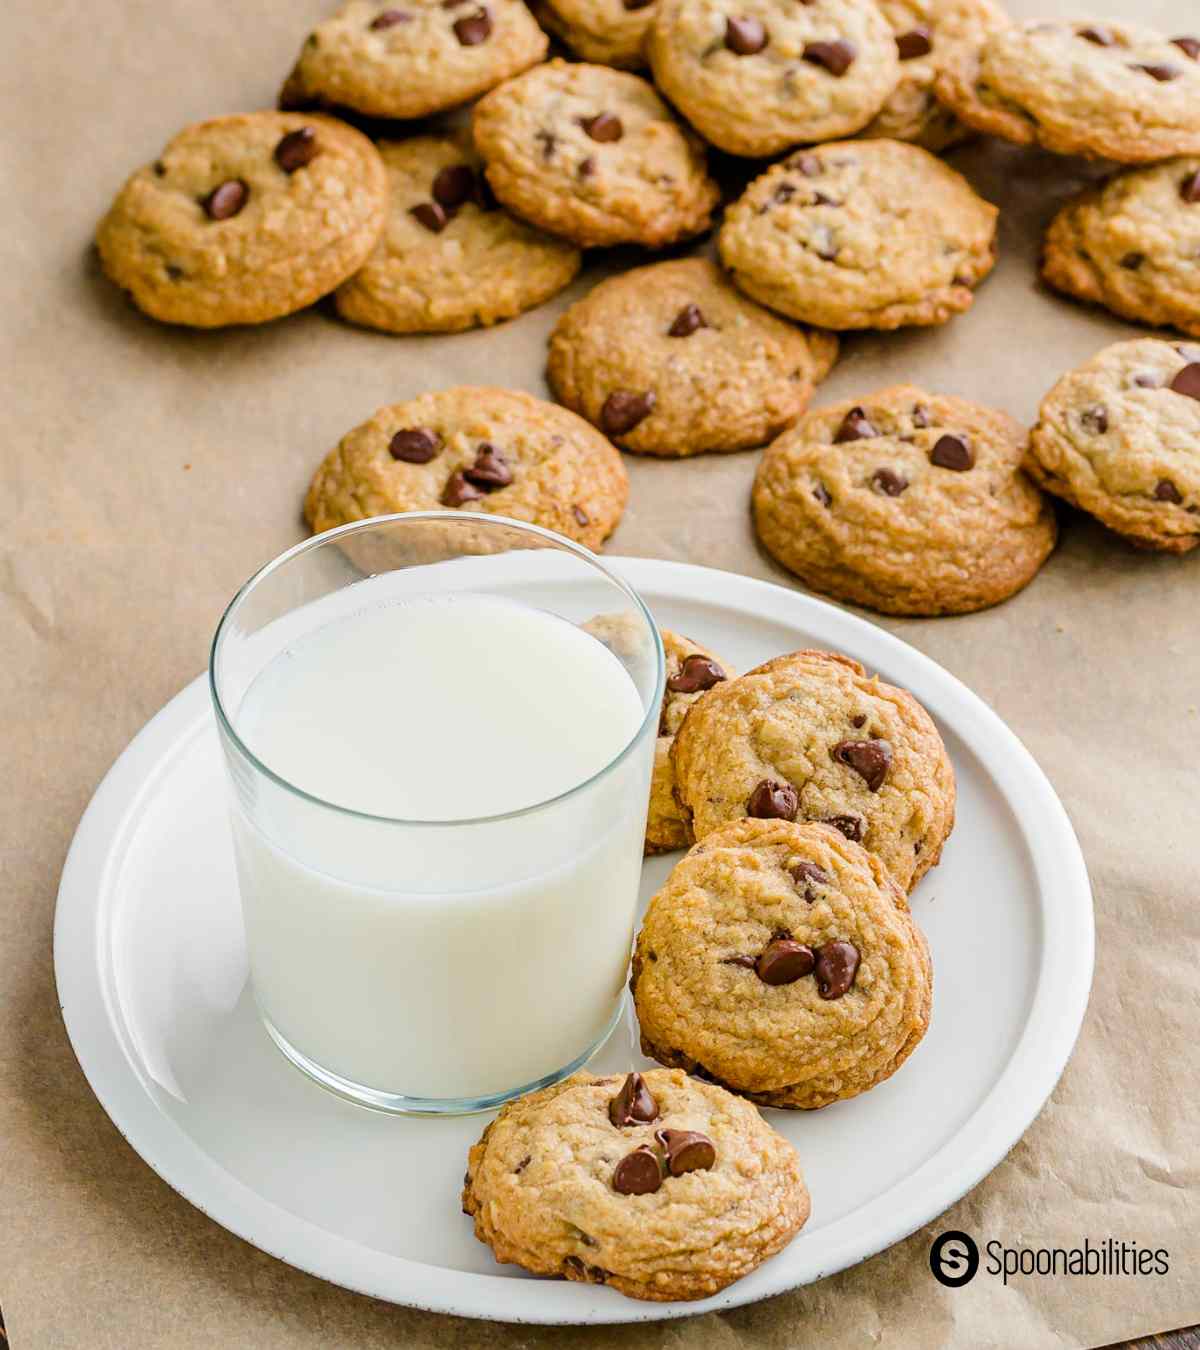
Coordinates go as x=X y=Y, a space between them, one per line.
x=954 y=1259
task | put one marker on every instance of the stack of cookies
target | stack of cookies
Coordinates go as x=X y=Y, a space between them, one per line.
x=779 y=965
x=904 y=501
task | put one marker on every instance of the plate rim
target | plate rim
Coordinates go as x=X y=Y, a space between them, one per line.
x=1051 y=1027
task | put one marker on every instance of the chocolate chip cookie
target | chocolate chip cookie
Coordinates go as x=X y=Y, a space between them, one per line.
x=1120 y=439
x=449 y=258
x=908 y=502
x=656 y=1184
x=860 y=234
x=691 y=671
x=608 y=32
x=781 y=961
x=475 y=449
x=671 y=359
x=809 y=736
x=1132 y=244
x=757 y=76
x=930 y=35
x=1082 y=87
x=410 y=58
x=245 y=218
x=595 y=155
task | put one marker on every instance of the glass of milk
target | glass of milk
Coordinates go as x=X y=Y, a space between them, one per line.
x=439 y=729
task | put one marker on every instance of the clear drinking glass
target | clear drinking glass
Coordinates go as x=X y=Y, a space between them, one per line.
x=436 y=965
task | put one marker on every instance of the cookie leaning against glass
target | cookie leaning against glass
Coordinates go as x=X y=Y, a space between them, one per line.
x=810 y=736
x=780 y=960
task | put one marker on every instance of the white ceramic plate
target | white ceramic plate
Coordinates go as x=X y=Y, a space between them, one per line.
x=151 y=975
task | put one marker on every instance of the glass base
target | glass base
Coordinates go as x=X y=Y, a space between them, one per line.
x=396 y=1103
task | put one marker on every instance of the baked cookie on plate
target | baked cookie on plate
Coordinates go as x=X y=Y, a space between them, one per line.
x=410 y=58
x=671 y=359
x=860 y=234
x=781 y=961
x=907 y=502
x=759 y=76
x=810 y=736
x=474 y=449
x=449 y=258
x=245 y=218
x=1095 y=87
x=593 y=154
x=1132 y=244
x=1120 y=439
x=658 y=1185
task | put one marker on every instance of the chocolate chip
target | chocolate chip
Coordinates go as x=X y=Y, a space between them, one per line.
x=917 y=42
x=633 y=1104
x=809 y=165
x=296 y=149
x=773 y=801
x=1095 y=419
x=604 y=127
x=1189 y=189
x=821 y=493
x=1166 y=491
x=624 y=409
x=1100 y=36
x=490 y=470
x=1190 y=45
x=160 y=169
x=390 y=18
x=1160 y=73
x=891 y=484
x=523 y=1164
x=415 y=445
x=747 y=962
x=856 y=426
x=837 y=57
x=432 y=215
x=953 y=452
x=745 y=36
x=1147 y=381
x=697 y=672
x=547 y=140
x=859 y=721
x=853 y=827
x=636 y=4
x=687 y=321
x=474 y=28
x=837 y=965
x=638 y=1173
x=1187 y=382
x=920 y=415
x=458 y=491
x=226 y=199
x=1132 y=261
x=581 y=516
x=871 y=760
x=454 y=185
x=587 y=167
x=687 y=1151
x=784 y=962
x=806 y=875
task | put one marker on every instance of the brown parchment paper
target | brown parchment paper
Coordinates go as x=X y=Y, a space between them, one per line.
x=145 y=472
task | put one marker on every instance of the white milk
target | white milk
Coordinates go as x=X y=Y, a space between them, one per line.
x=429 y=959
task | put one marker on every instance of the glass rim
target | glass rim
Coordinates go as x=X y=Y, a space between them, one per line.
x=225 y=722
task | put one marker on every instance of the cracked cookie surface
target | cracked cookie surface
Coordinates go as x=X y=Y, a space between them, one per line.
x=410 y=58
x=671 y=359
x=245 y=218
x=1105 y=89
x=1132 y=244
x=540 y=1187
x=758 y=76
x=1120 y=439
x=931 y=35
x=449 y=258
x=781 y=960
x=810 y=736
x=908 y=502
x=860 y=234
x=477 y=449
x=593 y=154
